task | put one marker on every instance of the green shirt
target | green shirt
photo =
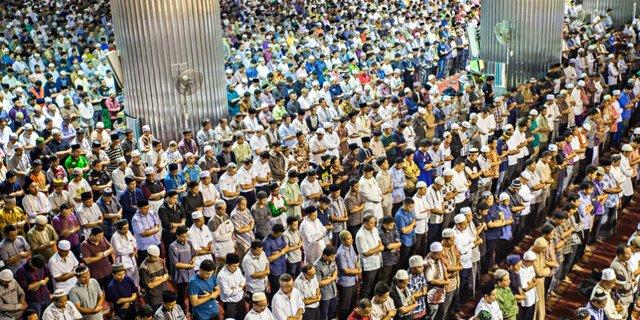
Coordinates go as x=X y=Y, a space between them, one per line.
x=536 y=137
x=72 y=163
x=507 y=302
x=290 y=192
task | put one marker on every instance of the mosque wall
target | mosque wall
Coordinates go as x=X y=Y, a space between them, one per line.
x=622 y=9
x=536 y=40
x=156 y=40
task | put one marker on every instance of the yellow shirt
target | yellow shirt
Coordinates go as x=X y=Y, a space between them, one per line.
x=12 y=217
x=411 y=172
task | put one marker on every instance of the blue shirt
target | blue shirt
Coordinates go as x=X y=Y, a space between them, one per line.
x=398 y=181
x=346 y=259
x=142 y=222
x=128 y=200
x=199 y=286
x=122 y=289
x=623 y=101
x=271 y=245
x=403 y=219
x=193 y=172
x=506 y=230
x=493 y=215
x=173 y=182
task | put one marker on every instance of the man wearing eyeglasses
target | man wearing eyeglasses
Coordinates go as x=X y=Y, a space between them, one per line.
x=259 y=308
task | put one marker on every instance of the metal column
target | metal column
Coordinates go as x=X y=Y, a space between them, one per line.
x=536 y=41
x=622 y=10
x=158 y=38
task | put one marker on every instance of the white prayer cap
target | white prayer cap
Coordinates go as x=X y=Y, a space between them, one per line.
x=196 y=215
x=608 y=274
x=6 y=275
x=153 y=250
x=459 y=218
x=64 y=245
x=529 y=256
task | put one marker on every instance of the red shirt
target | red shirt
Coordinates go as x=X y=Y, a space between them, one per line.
x=355 y=316
x=102 y=267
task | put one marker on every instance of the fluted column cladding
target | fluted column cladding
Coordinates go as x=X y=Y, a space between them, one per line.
x=536 y=40
x=622 y=10
x=153 y=35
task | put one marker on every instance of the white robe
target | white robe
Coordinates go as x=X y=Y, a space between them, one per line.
x=312 y=232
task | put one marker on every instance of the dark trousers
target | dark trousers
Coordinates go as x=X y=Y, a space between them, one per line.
x=503 y=250
x=568 y=261
x=584 y=237
x=346 y=301
x=142 y=255
x=294 y=269
x=234 y=310
x=463 y=290
x=309 y=314
x=526 y=313
x=368 y=281
x=489 y=258
x=181 y=289
x=354 y=230
x=274 y=283
x=39 y=306
x=250 y=196
x=405 y=253
x=328 y=308
x=231 y=204
x=386 y=273
x=419 y=247
x=395 y=207
x=434 y=233
x=593 y=235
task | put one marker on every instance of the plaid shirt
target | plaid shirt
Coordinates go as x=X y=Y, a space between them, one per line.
x=416 y=283
x=448 y=205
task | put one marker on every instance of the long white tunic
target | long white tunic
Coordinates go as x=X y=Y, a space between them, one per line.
x=312 y=232
x=372 y=195
x=200 y=238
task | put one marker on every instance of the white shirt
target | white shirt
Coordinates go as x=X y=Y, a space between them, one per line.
x=231 y=285
x=434 y=201
x=264 y=315
x=493 y=308
x=332 y=142
x=58 y=267
x=316 y=145
x=421 y=209
x=312 y=232
x=308 y=288
x=200 y=238
x=460 y=184
x=308 y=188
x=527 y=197
x=284 y=306
x=464 y=242
x=260 y=169
x=365 y=241
x=209 y=193
x=252 y=264
x=228 y=183
x=259 y=144
x=88 y=215
x=70 y=312
x=244 y=177
x=124 y=246
x=526 y=275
